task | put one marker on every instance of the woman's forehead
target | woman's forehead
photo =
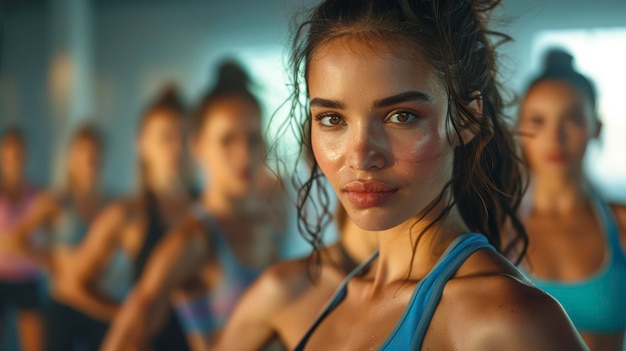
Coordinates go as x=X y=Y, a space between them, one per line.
x=350 y=65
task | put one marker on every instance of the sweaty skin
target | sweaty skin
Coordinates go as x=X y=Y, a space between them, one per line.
x=390 y=137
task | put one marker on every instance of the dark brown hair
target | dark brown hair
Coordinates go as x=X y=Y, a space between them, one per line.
x=167 y=100
x=14 y=133
x=487 y=183
x=90 y=133
x=232 y=82
x=559 y=65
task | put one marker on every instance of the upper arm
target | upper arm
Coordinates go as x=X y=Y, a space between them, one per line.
x=524 y=318
x=102 y=237
x=174 y=261
x=254 y=312
x=43 y=209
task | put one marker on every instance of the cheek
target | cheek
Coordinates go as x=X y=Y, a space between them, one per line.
x=578 y=143
x=328 y=150
x=423 y=155
x=531 y=148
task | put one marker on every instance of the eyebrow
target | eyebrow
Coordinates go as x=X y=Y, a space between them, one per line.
x=409 y=96
x=325 y=103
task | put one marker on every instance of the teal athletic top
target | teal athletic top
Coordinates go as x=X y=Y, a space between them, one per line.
x=408 y=334
x=596 y=304
x=209 y=312
x=70 y=230
x=71 y=227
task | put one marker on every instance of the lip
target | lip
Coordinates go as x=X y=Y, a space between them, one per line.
x=368 y=193
x=557 y=157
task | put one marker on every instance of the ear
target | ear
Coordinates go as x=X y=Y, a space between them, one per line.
x=476 y=106
x=598 y=129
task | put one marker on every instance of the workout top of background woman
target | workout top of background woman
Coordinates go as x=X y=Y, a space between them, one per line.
x=595 y=304
x=68 y=232
x=171 y=336
x=208 y=313
x=15 y=267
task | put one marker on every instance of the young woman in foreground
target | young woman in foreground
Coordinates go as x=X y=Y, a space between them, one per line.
x=406 y=124
x=577 y=240
x=229 y=237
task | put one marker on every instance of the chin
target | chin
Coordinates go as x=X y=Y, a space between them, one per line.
x=240 y=190
x=374 y=219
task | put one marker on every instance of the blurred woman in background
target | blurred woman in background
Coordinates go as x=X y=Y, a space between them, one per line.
x=577 y=239
x=19 y=273
x=231 y=234
x=127 y=231
x=286 y=299
x=67 y=214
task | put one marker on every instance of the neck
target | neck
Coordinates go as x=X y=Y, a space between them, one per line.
x=83 y=190
x=222 y=205
x=411 y=249
x=165 y=184
x=359 y=244
x=560 y=196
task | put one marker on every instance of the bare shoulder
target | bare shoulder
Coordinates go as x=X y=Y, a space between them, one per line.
x=120 y=208
x=501 y=310
x=284 y=281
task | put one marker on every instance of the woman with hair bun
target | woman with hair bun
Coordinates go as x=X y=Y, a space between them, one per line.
x=66 y=213
x=399 y=102
x=229 y=236
x=19 y=272
x=577 y=239
x=126 y=233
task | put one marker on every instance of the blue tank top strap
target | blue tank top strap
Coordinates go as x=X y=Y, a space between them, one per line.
x=609 y=225
x=409 y=332
x=207 y=312
x=225 y=256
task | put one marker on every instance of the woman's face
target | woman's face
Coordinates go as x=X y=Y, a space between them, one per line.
x=84 y=161
x=230 y=146
x=12 y=159
x=556 y=123
x=160 y=142
x=379 y=130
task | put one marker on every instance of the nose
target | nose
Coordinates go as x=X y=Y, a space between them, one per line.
x=366 y=147
x=559 y=134
x=242 y=151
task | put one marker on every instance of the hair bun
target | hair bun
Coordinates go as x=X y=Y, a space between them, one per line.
x=169 y=97
x=232 y=78
x=558 y=61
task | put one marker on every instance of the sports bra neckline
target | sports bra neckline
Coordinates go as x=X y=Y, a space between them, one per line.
x=612 y=250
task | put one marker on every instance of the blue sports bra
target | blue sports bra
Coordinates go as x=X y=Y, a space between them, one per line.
x=596 y=304
x=71 y=227
x=209 y=312
x=408 y=334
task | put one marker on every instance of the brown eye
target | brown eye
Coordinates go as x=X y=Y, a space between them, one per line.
x=401 y=117
x=330 y=120
x=536 y=122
